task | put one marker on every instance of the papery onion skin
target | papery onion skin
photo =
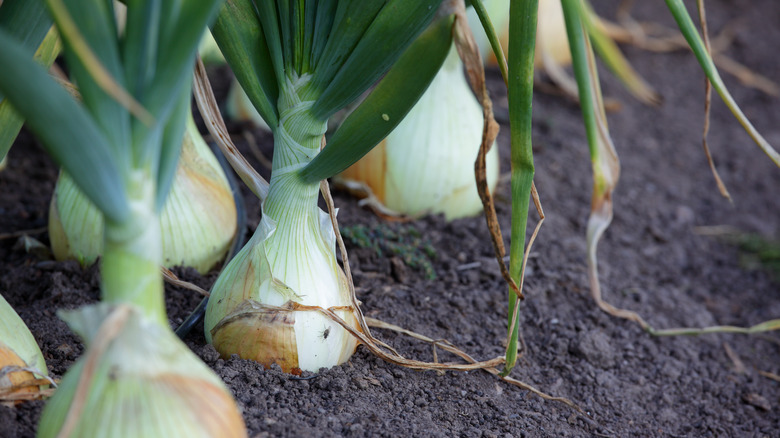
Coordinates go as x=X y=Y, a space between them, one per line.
x=426 y=165
x=143 y=382
x=198 y=219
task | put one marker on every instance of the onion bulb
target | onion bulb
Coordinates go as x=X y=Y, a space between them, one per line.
x=198 y=219
x=136 y=379
x=426 y=165
x=20 y=357
x=255 y=305
x=252 y=308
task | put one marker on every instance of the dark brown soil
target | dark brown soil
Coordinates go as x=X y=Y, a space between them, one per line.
x=655 y=259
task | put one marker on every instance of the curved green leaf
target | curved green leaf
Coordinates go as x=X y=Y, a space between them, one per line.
x=269 y=22
x=390 y=33
x=139 y=45
x=178 y=43
x=10 y=121
x=181 y=27
x=613 y=58
x=688 y=30
x=94 y=21
x=387 y=104
x=522 y=29
x=323 y=22
x=243 y=43
x=64 y=127
x=492 y=36
x=171 y=144
x=350 y=20
x=27 y=21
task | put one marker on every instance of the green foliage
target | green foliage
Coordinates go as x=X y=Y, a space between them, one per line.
x=760 y=252
x=386 y=106
x=64 y=126
x=131 y=88
x=28 y=23
x=406 y=242
x=328 y=54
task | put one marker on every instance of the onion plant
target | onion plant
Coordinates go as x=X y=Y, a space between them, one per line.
x=606 y=169
x=120 y=145
x=300 y=62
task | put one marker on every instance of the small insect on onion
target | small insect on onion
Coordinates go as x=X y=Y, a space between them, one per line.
x=198 y=220
x=254 y=306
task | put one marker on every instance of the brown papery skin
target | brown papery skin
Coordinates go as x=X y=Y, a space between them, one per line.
x=18 y=378
x=216 y=411
x=266 y=336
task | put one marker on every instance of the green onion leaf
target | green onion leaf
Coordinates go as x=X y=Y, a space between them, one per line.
x=171 y=145
x=522 y=28
x=387 y=104
x=323 y=23
x=66 y=129
x=390 y=33
x=688 y=30
x=89 y=34
x=269 y=22
x=244 y=45
x=350 y=20
x=28 y=23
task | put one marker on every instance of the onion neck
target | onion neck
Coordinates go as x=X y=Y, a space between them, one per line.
x=292 y=202
x=132 y=255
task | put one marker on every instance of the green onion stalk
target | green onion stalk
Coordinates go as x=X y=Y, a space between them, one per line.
x=120 y=144
x=299 y=64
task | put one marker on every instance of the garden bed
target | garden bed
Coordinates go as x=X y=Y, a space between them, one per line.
x=668 y=255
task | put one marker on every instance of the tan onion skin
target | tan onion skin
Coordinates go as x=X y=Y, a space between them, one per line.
x=426 y=164
x=218 y=415
x=18 y=378
x=371 y=170
x=261 y=334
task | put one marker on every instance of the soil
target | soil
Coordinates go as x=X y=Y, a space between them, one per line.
x=664 y=256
